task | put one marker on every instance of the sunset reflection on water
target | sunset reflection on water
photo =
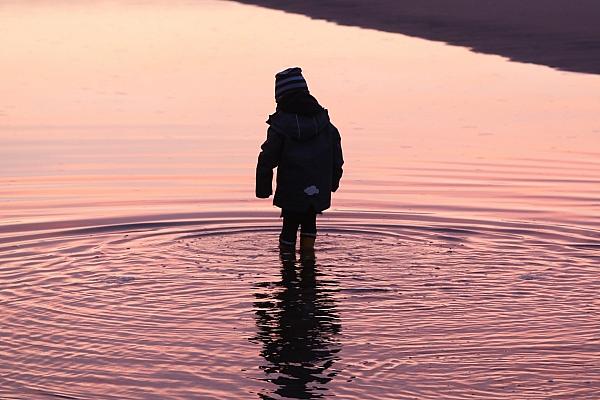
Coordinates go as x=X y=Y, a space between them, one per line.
x=459 y=256
x=180 y=92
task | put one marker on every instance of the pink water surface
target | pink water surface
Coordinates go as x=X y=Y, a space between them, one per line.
x=459 y=259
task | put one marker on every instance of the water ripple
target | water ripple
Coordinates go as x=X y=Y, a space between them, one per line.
x=201 y=306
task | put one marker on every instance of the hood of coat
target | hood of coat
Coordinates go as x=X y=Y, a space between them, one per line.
x=298 y=126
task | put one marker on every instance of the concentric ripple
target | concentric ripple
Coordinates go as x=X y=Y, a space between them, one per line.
x=402 y=306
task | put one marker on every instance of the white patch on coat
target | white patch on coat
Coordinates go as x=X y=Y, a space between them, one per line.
x=311 y=190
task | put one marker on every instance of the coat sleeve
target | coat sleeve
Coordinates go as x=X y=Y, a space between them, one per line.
x=267 y=160
x=338 y=161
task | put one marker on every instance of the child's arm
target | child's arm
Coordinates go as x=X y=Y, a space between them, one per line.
x=338 y=161
x=267 y=160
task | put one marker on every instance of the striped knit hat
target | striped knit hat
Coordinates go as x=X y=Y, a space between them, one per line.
x=287 y=80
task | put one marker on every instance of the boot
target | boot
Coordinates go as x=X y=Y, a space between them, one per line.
x=307 y=248
x=285 y=248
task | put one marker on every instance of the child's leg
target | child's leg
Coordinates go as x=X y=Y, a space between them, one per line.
x=308 y=231
x=289 y=230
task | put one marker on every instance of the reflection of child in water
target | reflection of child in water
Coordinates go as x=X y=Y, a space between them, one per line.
x=298 y=325
x=306 y=149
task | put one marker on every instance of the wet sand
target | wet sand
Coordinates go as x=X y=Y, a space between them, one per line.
x=562 y=34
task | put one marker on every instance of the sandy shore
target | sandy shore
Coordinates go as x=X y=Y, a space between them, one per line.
x=563 y=34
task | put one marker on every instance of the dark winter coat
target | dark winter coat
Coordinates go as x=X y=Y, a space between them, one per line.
x=307 y=151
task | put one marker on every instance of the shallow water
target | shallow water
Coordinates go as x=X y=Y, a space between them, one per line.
x=458 y=260
x=397 y=306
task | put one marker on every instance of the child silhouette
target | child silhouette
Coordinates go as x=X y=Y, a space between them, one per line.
x=306 y=149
